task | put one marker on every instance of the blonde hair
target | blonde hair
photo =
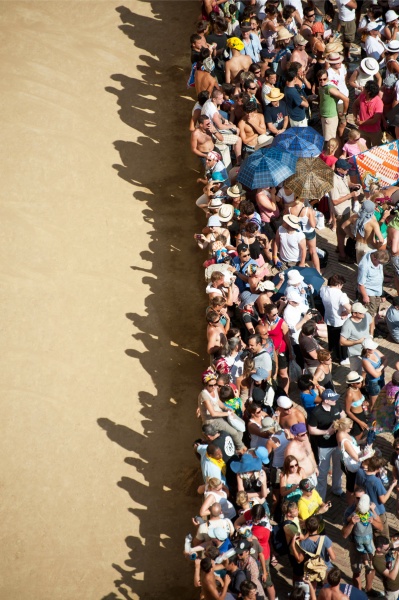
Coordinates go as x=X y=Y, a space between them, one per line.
x=213 y=483
x=331 y=145
x=241 y=498
x=354 y=134
x=342 y=424
x=323 y=355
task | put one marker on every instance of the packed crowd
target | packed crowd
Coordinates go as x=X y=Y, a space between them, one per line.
x=264 y=71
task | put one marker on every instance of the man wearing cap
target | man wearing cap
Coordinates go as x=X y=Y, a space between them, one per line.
x=392 y=319
x=290 y=243
x=295 y=100
x=238 y=62
x=240 y=266
x=370 y=280
x=310 y=502
x=373 y=45
x=368 y=111
x=366 y=229
x=300 y=55
x=320 y=424
x=215 y=520
x=288 y=414
x=337 y=75
x=261 y=357
x=248 y=564
x=251 y=127
x=341 y=200
x=300 y=447
x=353 y=333
x=329 y=95
x=347 y=20
x=276 y=115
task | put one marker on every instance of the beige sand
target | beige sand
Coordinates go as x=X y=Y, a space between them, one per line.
x=99 y=298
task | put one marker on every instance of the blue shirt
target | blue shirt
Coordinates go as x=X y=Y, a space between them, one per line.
x=253 y=48
x=293 y=100
x=307 y=400
x=370 y=276
x=392 y=321
x=242 y=285
x=374 y=488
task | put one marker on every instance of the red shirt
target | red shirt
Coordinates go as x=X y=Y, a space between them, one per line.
x=330 y=160
x=367 y=109
x=260 y=532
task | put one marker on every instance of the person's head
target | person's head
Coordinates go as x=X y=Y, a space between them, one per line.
x=271 y=76
x=196 y=41
x=318 y=30
x=243 y=549
x=336 y=280
x=395 y=378
x=335 y=59
x=285 y=405
x=290 y=465
x=312 y=524
x=212 y=158
x=233 y=332
x=248 y=590
x=215 y=510
x=291 y=76
x=250 y=87
x=255 y=343
x=242 y=499
x=226 y=392
x=380 y=257
x=206 y=564
x=309 y=13
x=204 y=122
x=213 y=318
x=217 y=97
x=331 y=146
x=255 y=410
x=299 y=432
x=371 y=89
x=299 y=42
x=271 y=311
x=368 y=347
x=204 y=54
x=220 y=25
x=334 y=577
x=250 y=107
x=344 y=424
x=209 y=380
x=217 y=279
x=297 y=67
x=374 y=463
x=230 y=563
x=353 y=136
x=358 y=311
x=222 y=379
x=305 y=382
x=263 y=331
x=288 y=12
x=255 y=68
x=214 y=484
x=289 y=509
x=329 y=397
x=249 y=366
x=234 y=345
x=258 y=513
x=322 y=77
x=212 y=552
x=309 y=328
x=374 y=12
x=202 y=27
x=323 y=356
x=246 y=30
x=210 y=431
x=382 y=544
x=228 y=90
x=214 y=451
x=307 y=487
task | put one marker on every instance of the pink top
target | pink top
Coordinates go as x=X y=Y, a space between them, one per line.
x=329 y=159
x=266 y=214
x=353 y=149
x=367 y=109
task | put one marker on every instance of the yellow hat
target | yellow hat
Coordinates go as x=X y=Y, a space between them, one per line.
x=235 y=43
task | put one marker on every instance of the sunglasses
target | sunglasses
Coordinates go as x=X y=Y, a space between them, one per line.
x=211 y=384
x=302 y=434
x=294 y=465
x=323 y=78
x=252 y=88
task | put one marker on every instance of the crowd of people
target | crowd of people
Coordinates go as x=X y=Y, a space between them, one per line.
x=275 y=327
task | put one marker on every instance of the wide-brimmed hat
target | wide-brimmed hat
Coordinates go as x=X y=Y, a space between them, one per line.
x=235 y=190
x=390 y=16
x=299 y=40
x=334 y=58
x=247 y=464
x=369 y=65
x=369 y=344
x=392 y=46
x=358 y=307
x=235 y=43
x=372 y=26
x=215 y=202
x=283 y=34
x=274 y=95
x=353 y=377
x=226 y=213
x=294 y=277
x=333 y=47
x=264 y=140
x=214 y=221
x=292 y=221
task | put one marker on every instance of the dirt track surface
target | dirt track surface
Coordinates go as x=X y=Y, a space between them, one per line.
x=101 y=301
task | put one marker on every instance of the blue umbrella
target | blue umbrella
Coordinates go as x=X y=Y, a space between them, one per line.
x=302 y=142
x=310 y=275
x=266 y=167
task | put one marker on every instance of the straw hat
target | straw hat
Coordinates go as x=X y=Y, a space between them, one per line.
x=226 y=213
x=274 y=95
x=334 y=58
x=283 y=34
x=369 y=65
x=333 y=47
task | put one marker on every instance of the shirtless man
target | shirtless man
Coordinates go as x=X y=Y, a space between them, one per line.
x=203 y=137
x=204 y=577
x=333 y=592
x=393 y=246
x=238 y=63
x=203 y=79
x=215 y=333
x=211 y=110
x=365 y=227
x=301 y=449
x=299 y=53
x=288 y=414
x=251 y=126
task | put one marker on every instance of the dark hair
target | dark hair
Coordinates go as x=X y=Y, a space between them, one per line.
x=246 y=587
x=250 y=107
x=194 y=38
x=376 y=10
x=232 y=560
x=247 y=84
x=202 y=119
x=269 y=72
x=375 y=462
x=258 y=512
x=232 y=332
x=202 y=26
x=204 y=53
x=220 y=24
x=254 y=67
x=381 y=541
x=309 y=328
x=225 y=377
x=312 y=524
x=228 y=89
x=202 y=98
x=233 y=9
x=211 y=449
x=271 y=9
x=307 y=10
x=336 y=280
x=251 y=227
x=290 y=75
x=305 y=382
x=322 y=72
x=287 y=506
x=270 y=307
x=212 y=552
x=288 y=11
x=226 y=392
x=372 y=88
x=256 y=337
x=247 y=207
x=334 y=576
x=211 y=316
x=206 y=564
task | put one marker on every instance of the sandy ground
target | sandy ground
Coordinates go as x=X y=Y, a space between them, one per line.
x=99 y=300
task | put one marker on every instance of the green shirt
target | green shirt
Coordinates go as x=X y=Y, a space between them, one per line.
x=379 y=565
x=328 y=104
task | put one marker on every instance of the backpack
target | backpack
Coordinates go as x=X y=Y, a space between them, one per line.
x=278 y=539
x=315 y=567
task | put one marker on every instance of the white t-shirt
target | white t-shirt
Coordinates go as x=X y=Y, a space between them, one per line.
x=209 y=109
x=345 y=14
x=286 y=198
x=334 y=300
x=340 y=189
x=289 y=244
x=297 y=4
x=292 y=315
x=374 y=47
x=338 y=79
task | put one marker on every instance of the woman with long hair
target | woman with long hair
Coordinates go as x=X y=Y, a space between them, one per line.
x=354 y=400
x=374 y=363
x=291 y=475
x=350 y=451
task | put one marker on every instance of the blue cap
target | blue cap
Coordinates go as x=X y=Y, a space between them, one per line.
x=263 y=454
x=217 y=176
x=342 y=164
x=259 y=375
x=329 y=395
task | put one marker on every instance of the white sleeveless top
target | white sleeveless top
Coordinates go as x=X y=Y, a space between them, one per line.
x=256 y=440
x=278 y=453
x=228 y=509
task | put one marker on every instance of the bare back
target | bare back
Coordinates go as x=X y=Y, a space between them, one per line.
x=304 y=455
x=235 y=66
